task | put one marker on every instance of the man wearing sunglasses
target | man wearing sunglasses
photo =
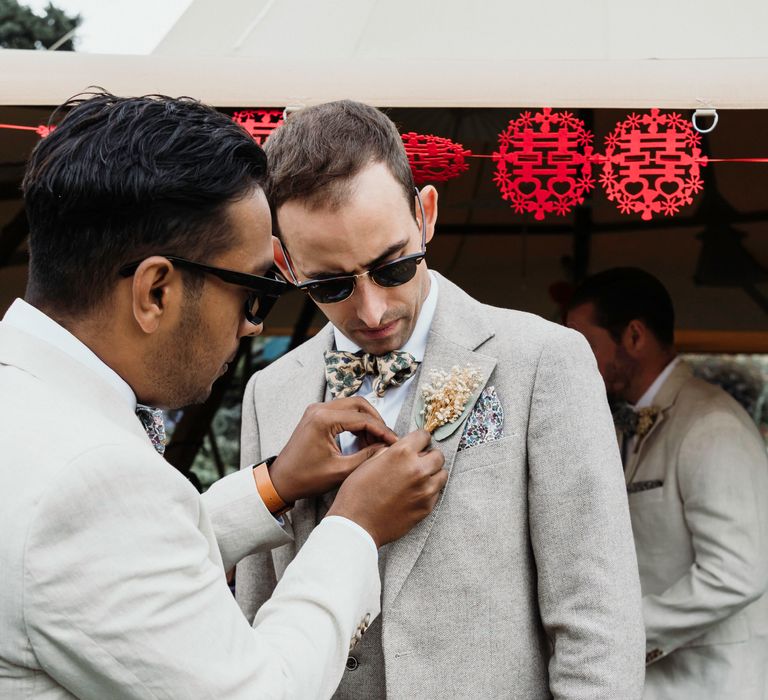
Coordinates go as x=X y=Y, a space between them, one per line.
x=523 y=582
x=150 y=257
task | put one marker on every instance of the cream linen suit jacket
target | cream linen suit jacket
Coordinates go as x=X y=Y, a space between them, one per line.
x=523 y=581
x=112 y=580
x=698 y=499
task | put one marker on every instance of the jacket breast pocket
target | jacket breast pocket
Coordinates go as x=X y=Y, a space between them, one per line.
x=643 y=496
x=489 y=453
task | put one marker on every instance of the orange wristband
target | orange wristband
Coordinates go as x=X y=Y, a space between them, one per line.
x=275 y=505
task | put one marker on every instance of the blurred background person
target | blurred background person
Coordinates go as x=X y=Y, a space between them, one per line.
x=697 y=480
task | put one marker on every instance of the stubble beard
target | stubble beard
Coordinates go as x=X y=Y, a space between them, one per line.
x=620 y=373
x=175 y=369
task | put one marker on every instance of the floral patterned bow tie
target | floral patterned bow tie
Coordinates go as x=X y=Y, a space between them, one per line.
x=152 y=421
x=345 y=371
x=635 y=422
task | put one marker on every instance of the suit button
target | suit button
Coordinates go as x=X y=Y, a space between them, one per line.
x=352 y=663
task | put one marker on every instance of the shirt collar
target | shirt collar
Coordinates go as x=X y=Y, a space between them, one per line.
x=32 y=321
x=650 y=394
x=416 y=345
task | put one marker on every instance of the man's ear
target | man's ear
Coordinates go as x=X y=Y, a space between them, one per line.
x=429 y=200
x=156 y=287
x=280 y=260
x=635 y=336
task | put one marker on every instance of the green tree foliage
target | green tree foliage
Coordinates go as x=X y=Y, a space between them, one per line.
x=20 y=28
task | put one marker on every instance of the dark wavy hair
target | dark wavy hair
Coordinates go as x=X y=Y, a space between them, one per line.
x=622 y=294
x=121 y=178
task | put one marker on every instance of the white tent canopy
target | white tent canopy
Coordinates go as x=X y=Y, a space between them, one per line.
x=431 y=53
x=39 y=78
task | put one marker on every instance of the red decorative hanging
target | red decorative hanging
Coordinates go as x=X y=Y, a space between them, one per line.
x=434 y=158
x=259 y=123
x=544 y=163
x=651 y=164
x=42 y=131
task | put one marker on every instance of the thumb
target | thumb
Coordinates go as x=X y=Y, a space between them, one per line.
x=354 y=460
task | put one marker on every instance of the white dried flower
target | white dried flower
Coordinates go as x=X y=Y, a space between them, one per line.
x=446 y=395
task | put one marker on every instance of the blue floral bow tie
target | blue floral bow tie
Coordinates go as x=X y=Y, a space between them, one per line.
x=152 y=421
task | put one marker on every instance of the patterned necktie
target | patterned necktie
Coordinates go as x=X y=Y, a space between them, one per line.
x=625 y=420
x=631 y=422
x=345 y=371
x=152 y=421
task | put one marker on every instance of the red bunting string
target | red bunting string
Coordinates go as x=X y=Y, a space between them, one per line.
x=651 y=164
x=259 y=123
x=41 y=130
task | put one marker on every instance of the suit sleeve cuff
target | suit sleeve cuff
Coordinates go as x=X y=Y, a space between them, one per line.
x=242 y=523
x=362 y=532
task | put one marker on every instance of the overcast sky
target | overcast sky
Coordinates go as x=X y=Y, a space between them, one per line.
x=119 y=26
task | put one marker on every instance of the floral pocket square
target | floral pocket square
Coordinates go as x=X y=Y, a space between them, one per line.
x=485 y=423
x=637 y=486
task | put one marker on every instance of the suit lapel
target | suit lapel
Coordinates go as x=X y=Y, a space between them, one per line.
x=665 y=399
x=458 y=329
x=634 y=457
x=304 y=386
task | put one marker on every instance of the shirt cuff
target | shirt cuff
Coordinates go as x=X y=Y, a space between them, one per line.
x=354 y=526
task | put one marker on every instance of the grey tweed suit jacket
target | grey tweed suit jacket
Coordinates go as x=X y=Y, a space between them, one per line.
x=523 y=582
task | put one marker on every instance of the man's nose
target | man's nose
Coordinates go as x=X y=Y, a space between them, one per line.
x=371 y=302
x=249 y=329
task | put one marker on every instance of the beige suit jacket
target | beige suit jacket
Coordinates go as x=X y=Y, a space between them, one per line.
x=523 y=581
x=112 y=580
x=698 y=498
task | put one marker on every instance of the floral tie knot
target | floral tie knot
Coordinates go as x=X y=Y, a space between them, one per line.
x=345 y=371
x=635 y=422
x=153 y=424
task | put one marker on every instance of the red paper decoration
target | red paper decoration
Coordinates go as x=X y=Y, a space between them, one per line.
x=259 y=123
x=42 y=131
x=433 y=158
x=544 y=163
x=651 y=164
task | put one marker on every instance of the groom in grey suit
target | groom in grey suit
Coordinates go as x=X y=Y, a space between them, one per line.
x=523 y=581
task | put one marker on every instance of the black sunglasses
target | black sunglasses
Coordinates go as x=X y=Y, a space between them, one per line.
x=263 y=292
x=331 y=290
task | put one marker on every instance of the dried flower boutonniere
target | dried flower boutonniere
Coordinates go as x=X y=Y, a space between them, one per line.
x=446 y=396
x=646 y=417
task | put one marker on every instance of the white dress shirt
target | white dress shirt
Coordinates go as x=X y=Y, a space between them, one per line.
x=648 y=397
x=390 y=404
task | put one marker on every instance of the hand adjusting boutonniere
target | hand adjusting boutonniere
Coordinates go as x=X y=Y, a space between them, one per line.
x=446 y=399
